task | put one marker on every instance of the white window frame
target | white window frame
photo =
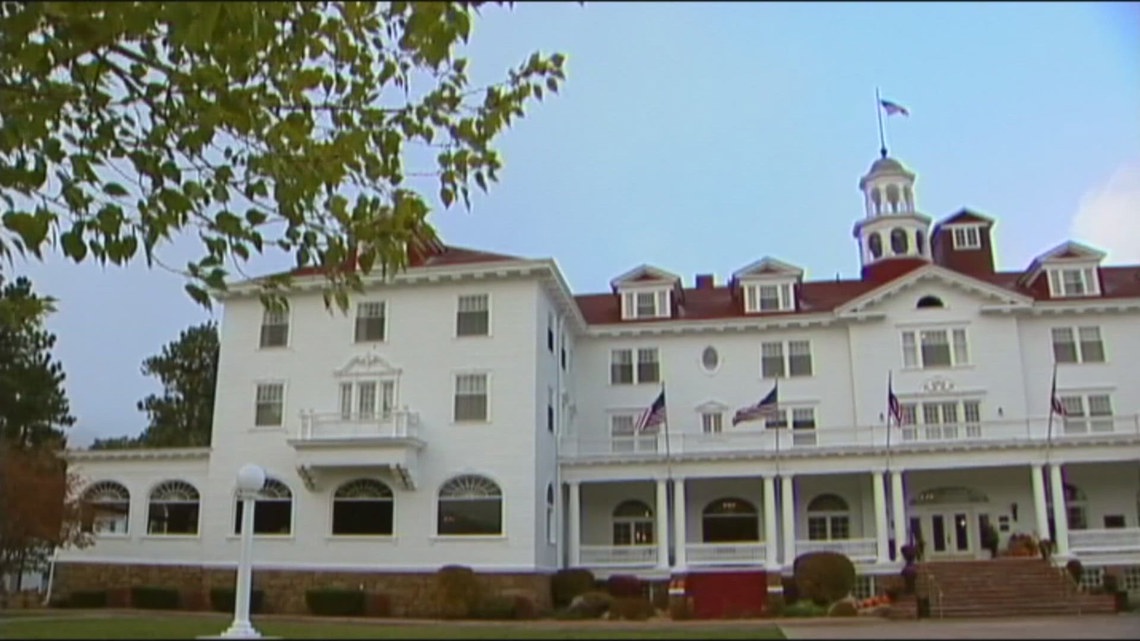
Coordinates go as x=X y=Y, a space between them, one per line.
x=1085 y=283
x=1080 y=341
x=467 y=300
x=631 y=300
x=370 y=305
x=486 y=376
x=712 y=422
x=926 y=418
x=792 y=413
x=755 y=303
x=1087 y=411
x=957 y=342
x=257 y=387
x=351 y=405
x=967 y=236
x=636 y=361
x=275 y=318
x=785 y=349
x=623 y=433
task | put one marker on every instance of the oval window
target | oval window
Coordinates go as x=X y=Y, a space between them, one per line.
x=710 y=358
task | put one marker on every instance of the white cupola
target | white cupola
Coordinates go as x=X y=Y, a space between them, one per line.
x=892 y=227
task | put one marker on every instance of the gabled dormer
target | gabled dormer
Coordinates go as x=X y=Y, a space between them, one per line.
x=964 y=242
x=768 y=285
x=647 y=292
x=1069 y=270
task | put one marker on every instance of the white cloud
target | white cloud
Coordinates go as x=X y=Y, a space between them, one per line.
x=1109 y=216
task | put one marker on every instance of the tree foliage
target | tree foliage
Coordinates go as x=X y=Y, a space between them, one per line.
x=257 y=126
x=34 y=409
x=182 y=415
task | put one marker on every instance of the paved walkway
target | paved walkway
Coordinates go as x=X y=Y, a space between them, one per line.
x=1119 y=626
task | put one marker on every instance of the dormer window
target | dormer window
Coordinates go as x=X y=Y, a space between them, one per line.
x=768 y=298
x=1073 y=282
x=646 y=292
x=645 y=304
x=967 y=238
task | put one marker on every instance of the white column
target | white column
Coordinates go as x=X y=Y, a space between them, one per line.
x=1060 y=513
x=771 y=546
x=1040 y=511
x=898 y=509
x=788 y=518
x=662 y=525
x=680 y=511
x=880 y=497
x=574 y=515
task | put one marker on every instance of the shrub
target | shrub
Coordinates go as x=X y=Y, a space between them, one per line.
x=222 y=600
x=1076 y=570
x=569 y=583
x=119 y=598
x=86 y=599
x=335 y=602
x=631 y=608
x=623 y=586
x=824 y=577
x=496 y=607
x=791 y=591
x=1110 y=583
x=457 y=591
x=842 y=609
x=909 y=553
x=152 y=598
x=804 y=608
x=591 y=605
x=659 y=594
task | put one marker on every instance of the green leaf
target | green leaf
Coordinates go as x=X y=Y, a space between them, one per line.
x=199 y=295
x=73 y=245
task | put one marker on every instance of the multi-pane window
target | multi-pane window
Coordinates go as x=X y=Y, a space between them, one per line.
x=624 y=372
x=1077 y=345
x=941 y=420
x=1086 y=413
x=473 y=317
x=550 y=409
x=967 y=238
x=363 y=507
x=173 y=509
x=1073 y=282
x=632 y=524
x=829 y=518
x=645 y=304
x=370 y=318
x=711 y=422
x=768 y=298
x=550 y=333
x=275 y=328
x=272 y=511
x=470 y=505
x=797 y=363
x=471 y=397
x=935 y=348
x=624 y=436
x=270 y=405
x=802 y=421
x=367 y=400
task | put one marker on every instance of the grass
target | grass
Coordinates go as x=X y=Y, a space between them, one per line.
x=106 y=625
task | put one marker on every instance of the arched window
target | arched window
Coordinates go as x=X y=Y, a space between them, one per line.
x=899 y=241
x=272 y=512
x=919 y=242
x=829 y=518
x=730 y=520
x=363 y=507
x=875 y=245
x=550 y=537
x=108 y=508
x=893 y=198
x=633 y=523
x=173 y=509
x=470 y=505
x=929 y=301
x=1076 y=508
x=877 y=199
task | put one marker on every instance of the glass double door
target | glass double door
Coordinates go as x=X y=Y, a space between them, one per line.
x=946 y=533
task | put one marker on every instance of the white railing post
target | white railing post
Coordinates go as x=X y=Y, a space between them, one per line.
x=574 y=517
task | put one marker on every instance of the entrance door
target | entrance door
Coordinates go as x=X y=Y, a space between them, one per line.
x=948 y=533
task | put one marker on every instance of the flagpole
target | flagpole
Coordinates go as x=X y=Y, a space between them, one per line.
x=879 y=111
x=889 y=392
x=668 y=461
x=1049 y=430
x=776 y=387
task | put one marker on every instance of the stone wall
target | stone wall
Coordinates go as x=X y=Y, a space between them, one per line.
x=411 y=594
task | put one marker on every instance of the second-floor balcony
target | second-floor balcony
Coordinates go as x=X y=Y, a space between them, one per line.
x=339 y=442
x=682 y=440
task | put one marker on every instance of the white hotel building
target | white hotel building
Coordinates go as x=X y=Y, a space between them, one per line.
x=473 y=410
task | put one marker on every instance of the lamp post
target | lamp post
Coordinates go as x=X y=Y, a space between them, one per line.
x=250 y=480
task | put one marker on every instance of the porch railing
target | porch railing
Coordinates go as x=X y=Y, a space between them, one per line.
x=725 y=553
x=767 y=441
x=335 y=425
x=855 y=549
x=619 y=555
x=1105 y=540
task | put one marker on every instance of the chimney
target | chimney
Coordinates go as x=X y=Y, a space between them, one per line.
x=705 y=281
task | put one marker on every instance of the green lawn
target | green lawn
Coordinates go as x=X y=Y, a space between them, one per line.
x=174 y=626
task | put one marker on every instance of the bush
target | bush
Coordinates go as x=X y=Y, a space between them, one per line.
x=824 y=577
x=85 y=599
x=621 y=586
x=631 y=608
x=1110 y=583
x=494 y=608
x=791 y=591
x=842 y=609
x=804 y=608
x=1076 y=570
x=659 y=594
x=569 y=583
x=335 y=602
x=457 y=591
x=591 y=605
x=222 y=600
x=151 y=598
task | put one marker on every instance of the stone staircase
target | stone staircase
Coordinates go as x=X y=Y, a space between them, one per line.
x=1002 y=587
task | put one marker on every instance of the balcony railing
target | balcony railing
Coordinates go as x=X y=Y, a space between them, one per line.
x=681 y=441
x=1105 y=541
x=725 y=553
x=619 y=555
x=334 y=425
x=855 y=549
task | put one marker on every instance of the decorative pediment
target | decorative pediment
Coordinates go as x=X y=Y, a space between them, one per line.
x=1070 y=251
x=370 y=364
x=768 y=268
x=712 y=406
x=645 y=275
x=988 y=292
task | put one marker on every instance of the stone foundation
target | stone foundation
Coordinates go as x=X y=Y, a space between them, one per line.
x=411 y=593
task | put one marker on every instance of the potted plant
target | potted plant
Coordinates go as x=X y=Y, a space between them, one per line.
x=909 y=553
x=990 y=539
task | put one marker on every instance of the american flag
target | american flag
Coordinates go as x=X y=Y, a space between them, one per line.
x=893 y=405
x=1055 y=405
x=767 y=408
x=653 y=416
x=893 y=108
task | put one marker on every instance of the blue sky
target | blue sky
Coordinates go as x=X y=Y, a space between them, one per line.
x=700 y=137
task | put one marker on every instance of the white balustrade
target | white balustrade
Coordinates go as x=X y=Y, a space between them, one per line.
x=619 y=555
x=725 y=553
x=1104 y=541
x=855 y=549
x=334 y=425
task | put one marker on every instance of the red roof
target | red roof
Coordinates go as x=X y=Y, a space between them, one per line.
x=434 y=255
